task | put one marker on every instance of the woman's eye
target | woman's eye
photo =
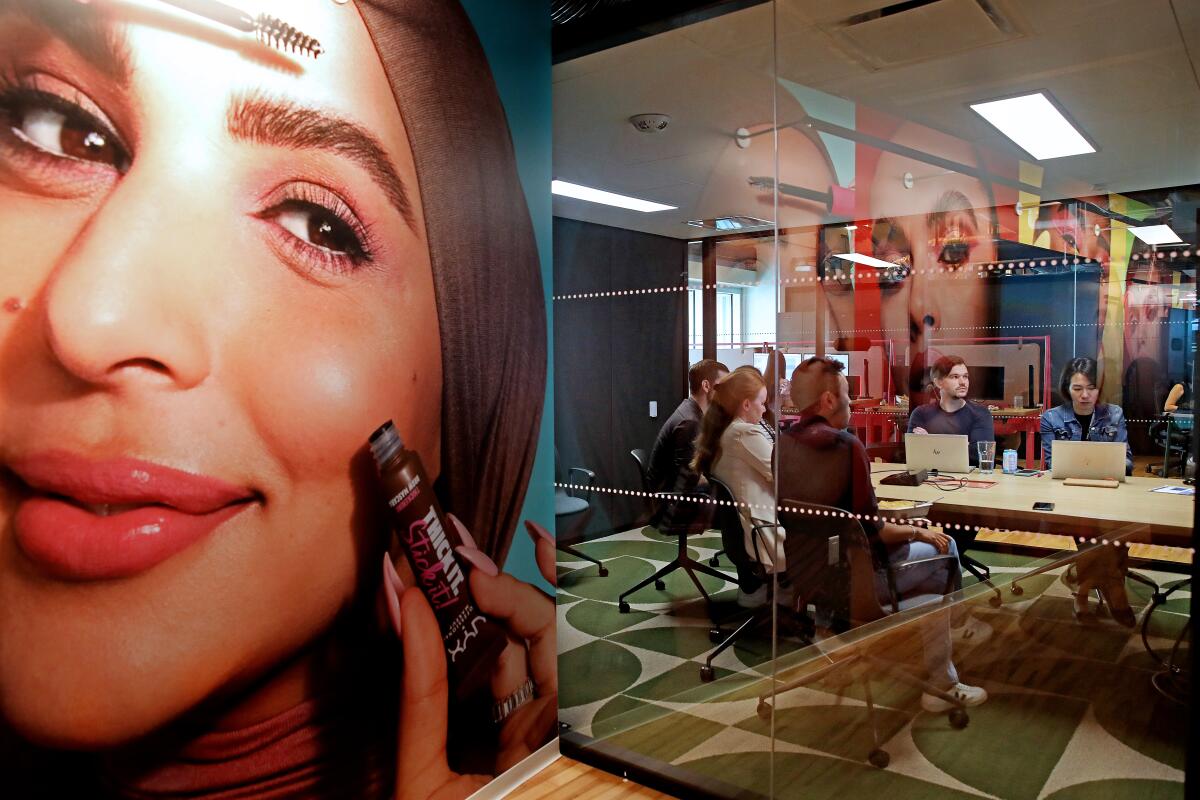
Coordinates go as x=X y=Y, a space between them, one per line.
x=60 y=128
x=319 y=227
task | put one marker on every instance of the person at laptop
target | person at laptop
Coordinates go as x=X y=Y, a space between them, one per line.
x=1083 y=418
x=950 y=412
x=820 y=462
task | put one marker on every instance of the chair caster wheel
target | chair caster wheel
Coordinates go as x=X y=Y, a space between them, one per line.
x=714 y=562
x=764 y=710
x=994 y=601
x=623 y=607
x=879 y=758
x=660 y=585
x=716 y=635
x=958 y=718
x=1017 y=590
x=604 y=572
x=706 y=673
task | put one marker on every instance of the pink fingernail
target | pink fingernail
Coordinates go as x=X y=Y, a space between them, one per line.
x=391 y=574
x=467 y=539
x=534 y=530
x=389 y=592
x=479 y=560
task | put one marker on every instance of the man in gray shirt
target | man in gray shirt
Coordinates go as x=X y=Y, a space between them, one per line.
x=951 y=412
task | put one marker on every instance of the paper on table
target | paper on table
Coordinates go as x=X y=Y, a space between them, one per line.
x=1175 y=489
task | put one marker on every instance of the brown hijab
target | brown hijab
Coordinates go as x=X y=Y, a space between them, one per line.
x=485 y=264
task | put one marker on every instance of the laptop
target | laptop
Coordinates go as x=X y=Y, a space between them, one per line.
x=1102 y=460
x=941 y=451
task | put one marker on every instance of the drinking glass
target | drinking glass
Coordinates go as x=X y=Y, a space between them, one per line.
x=987 y=456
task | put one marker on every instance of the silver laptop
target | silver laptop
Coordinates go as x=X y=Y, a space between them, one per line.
x=1098 y=460
x=944 y=452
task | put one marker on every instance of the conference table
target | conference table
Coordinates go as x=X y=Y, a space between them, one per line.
x=1131 y=511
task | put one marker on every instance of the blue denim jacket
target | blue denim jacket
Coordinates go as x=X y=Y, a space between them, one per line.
x=1108 y=425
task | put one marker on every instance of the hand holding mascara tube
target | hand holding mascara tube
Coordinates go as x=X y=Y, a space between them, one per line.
x=522 y=675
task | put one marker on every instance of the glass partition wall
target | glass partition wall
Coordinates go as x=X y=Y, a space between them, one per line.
x=965 y=569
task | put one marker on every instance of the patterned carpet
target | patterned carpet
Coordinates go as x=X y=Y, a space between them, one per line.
x=1072 y=713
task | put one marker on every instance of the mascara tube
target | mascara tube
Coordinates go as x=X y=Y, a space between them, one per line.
x=472 y=641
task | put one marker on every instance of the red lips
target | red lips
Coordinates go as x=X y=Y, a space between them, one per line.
x=92 y=520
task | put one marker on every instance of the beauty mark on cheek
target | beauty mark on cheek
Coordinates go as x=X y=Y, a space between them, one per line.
x=13 y=304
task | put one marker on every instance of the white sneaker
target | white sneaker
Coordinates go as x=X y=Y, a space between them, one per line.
x=972 y=631
x=752 y=599
x=967 y=695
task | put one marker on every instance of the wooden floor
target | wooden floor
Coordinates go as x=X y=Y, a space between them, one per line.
x=566 y=778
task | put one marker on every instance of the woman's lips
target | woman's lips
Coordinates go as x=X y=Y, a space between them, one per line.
x=93 y=520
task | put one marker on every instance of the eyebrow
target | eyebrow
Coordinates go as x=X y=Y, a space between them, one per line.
x=82 y=29
x=281 y=123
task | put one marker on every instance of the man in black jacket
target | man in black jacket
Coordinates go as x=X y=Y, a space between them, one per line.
x=676 y=440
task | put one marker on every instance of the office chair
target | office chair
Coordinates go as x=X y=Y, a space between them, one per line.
x=683 y=515
x=1173 y=440
x=893 y=453
x=568 y=503
x=654 y=498
x=729 y=522
x=830 y=566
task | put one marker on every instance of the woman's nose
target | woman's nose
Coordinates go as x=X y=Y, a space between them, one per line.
x=923 y=312
x=122 y=305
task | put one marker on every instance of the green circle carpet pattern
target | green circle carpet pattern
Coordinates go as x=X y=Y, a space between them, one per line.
x=1072 y=712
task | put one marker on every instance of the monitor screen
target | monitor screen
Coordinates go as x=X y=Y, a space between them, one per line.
x=987 y=383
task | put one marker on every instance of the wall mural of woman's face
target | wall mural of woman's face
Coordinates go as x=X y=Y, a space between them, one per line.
x=931 y=232
x=209 y=297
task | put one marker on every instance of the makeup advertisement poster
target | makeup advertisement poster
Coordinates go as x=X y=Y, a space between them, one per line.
x=274 y=476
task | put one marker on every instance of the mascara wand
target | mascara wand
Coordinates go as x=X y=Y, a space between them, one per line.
x=270 y=30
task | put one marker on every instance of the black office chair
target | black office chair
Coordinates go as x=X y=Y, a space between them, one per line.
x=830 y=566
x=568 y=503
x=893 y=453
x=654 y=498
x=727 y=519
x=683 y=515
x=1173 y=441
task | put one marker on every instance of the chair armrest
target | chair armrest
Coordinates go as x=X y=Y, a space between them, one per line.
x=757 y=526
x=591 y=478
x=892 y=569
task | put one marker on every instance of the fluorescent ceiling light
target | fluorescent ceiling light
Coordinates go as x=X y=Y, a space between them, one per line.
x=730 y=223
x=870 y=261
x=1036 y=125
x=566 y=189
x=1156 y=234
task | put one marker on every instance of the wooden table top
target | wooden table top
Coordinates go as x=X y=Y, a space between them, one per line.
x=1166 y=518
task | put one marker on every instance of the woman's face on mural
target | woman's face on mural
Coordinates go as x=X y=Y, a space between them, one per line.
x=209 y=297
x=933 y=232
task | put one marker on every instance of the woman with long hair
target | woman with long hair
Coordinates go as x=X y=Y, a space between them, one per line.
x=735 y=448
x=224 y=267
x=1082 y=417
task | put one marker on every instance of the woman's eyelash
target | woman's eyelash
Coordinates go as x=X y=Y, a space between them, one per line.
x=17 y=94
x=332 y=233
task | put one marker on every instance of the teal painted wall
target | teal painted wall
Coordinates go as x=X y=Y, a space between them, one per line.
x=516 y=37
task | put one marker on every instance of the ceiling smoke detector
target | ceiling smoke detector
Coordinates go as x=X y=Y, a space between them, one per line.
x=650 y=123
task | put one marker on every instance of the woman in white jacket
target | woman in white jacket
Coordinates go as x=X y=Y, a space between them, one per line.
x=735 y=448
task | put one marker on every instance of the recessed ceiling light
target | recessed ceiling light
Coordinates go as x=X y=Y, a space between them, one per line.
x=1036 y=125
x=1156 y=234
x=734 y=222
x=870 y=261
x=565 y=189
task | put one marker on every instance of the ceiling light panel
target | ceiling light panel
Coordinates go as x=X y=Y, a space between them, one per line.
x=1036 y=125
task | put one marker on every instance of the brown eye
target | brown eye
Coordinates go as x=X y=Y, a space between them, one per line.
x=58 y=127
x=318 y=227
